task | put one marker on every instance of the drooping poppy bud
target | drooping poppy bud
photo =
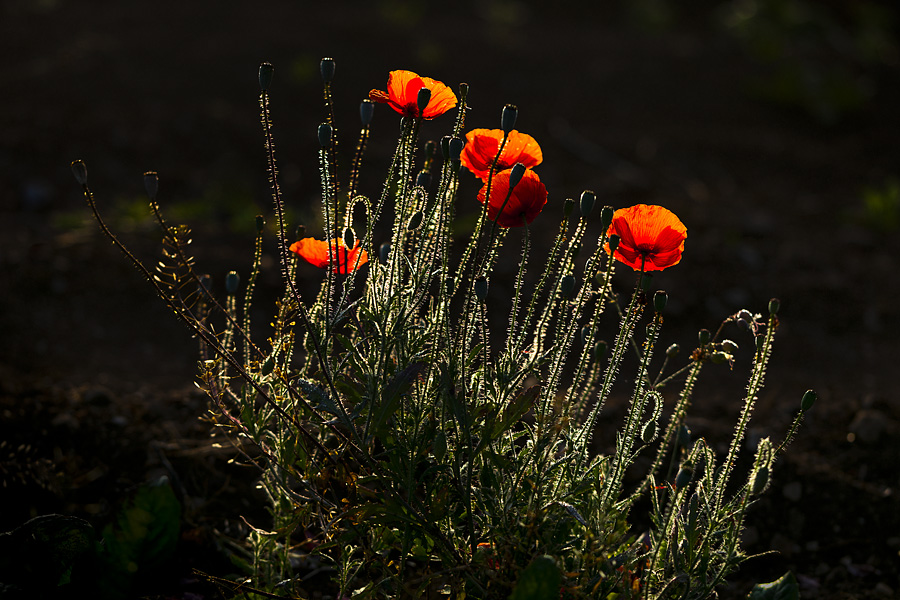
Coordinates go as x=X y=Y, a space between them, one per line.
x=703 y=336
x=673 y=350
x=809 y=398
x=729 y=346
x=685 y=474
x=79 y=170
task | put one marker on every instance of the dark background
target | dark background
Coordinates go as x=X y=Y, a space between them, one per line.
x=770 y=128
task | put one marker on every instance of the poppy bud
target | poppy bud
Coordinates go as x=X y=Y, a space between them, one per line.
x=79 y=170
x=683 y=438
x=600 y=349
x=729 y=346
x=568 y=205
x=587 y=202
x=648 y=434
x=151 y=184
x=260 y=223
x=439 y=446
x=456 y=146
x=704 y=336
x=366 y=112
x=481 y=288
x=567 y=286
x=508 y=118
x=324 y=132
x=659 y=301
x=673 y=350
x=232 y=281
x=414 y=221
x=422 y=99
x=463 y=90
x=760 y=481
x=423 y=179
x=606 y=217
x=266 y=70
x=613 y=243
x=516 y=174
x=774 y=305
x=744 y=315
x=445 y=147
x=809 y=398
x=326 y=68
x=384 y=251
x=349 y=238
x=685 y=474
x=718 y=357
x=743 y=325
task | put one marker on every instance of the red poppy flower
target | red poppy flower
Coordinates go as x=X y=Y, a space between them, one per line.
x=403 y=92
x=527 y=200
x=482 y=145
x=651 y=238
x=315 y=252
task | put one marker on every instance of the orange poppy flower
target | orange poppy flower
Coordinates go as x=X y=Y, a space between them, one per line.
x=651 y=238
x=527 y=200
x=316 y=252
x=482 y=145
x=403 y=91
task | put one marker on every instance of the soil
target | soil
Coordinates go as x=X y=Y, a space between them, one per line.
x=652 y=104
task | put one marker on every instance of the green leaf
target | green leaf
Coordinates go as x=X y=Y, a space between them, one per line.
x=785 y=588
x=44 y=550
x=540 y=580
x=393 y=391
x=143 y=536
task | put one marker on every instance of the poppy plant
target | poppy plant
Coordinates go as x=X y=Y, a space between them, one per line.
x=316 y=252
x=651 y=238
x=525 y=203
x=482 y=146
x=403 y=92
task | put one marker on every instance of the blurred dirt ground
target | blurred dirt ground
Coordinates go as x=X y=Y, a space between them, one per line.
x=651 y=104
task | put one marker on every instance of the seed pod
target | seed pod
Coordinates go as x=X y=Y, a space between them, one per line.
x=456 y=146
x=516 y=174
x=704 y=336
x=508 y=118
x=809 y=398
x=422 y=99
x=79 y=170
x=266 y=70
x=481 y=288
x=587 y=202
x=232 y=281
x=568 y=205
x=366 y=112
x=613 y=243
x=151 y=184
x=326 y=68
x=445 y=147
x=659 y=301
x=774 y=305
x=324 y=132
x=606 y=216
